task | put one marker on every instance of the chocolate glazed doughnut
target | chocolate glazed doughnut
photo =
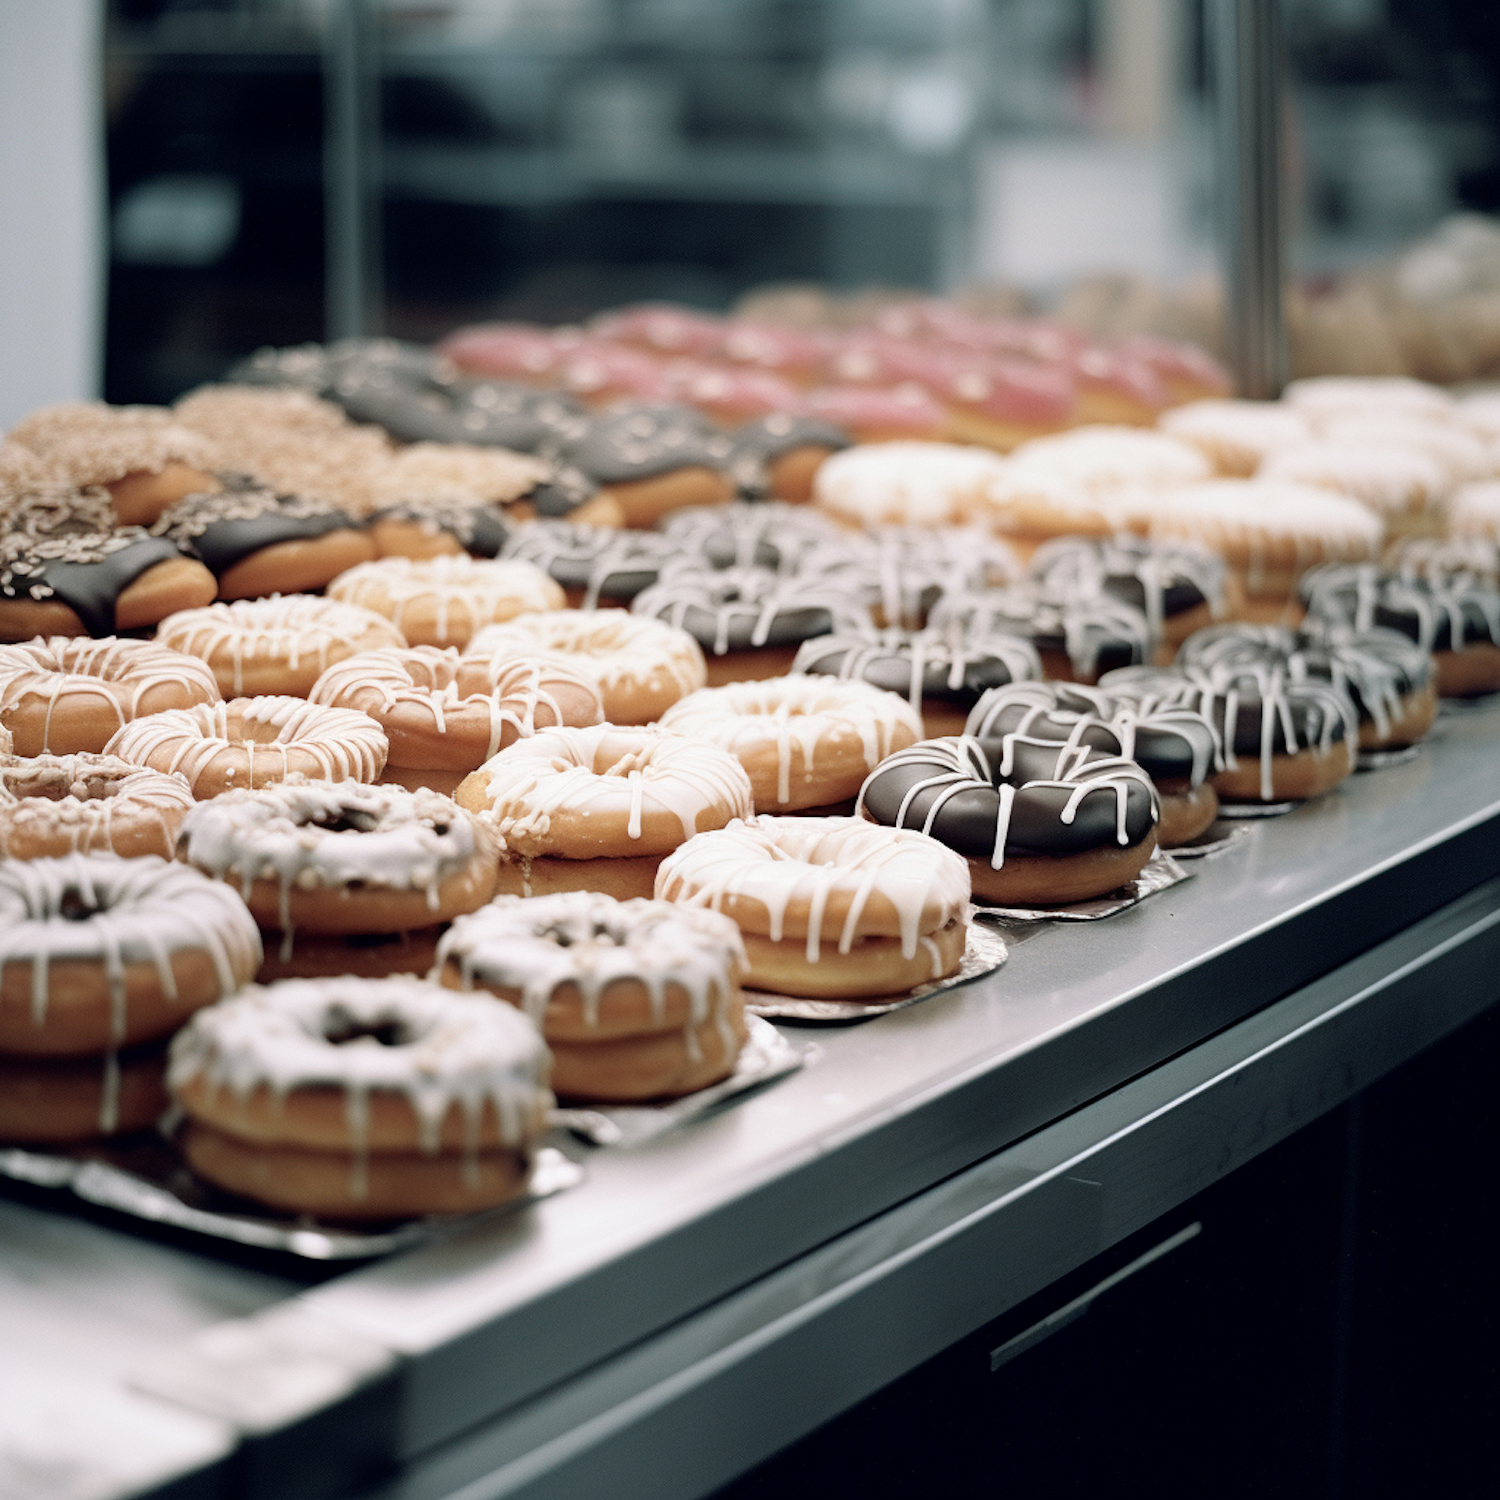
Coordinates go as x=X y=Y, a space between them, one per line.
x=1041 y=824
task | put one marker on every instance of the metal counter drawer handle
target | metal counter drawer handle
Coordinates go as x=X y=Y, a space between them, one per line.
x=1029 y=1338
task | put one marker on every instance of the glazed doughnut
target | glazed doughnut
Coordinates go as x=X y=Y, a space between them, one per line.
x=87 y=804
x=66 y=696
x=780 y=454
x=597 y=809
x=1236 y=435
x=256 y=542
x=1401 y=484
x=276 y=645
x=1040 y=823
x=636 y=999
x=362 y=1098
x=1461 y=454
x=838 y=908
x=906 y=484
x=58 y=1101
x=805 y=742
x=445 y=715
x=443 y=601
x=98 y=953
x=1322 y=397
x=592 y=562
x=640 y=667
x=250 y=742
x=763 y=534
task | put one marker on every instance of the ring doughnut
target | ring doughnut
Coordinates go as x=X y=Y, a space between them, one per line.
x=362 y=1098
x=66 y=695
x=592 y=562
x=833 y=907
x=51 y=1100
x=250 y=742
x=636 y=999
x=906 y=484
x=805 y=742
x=759 y=534
x=87 y=804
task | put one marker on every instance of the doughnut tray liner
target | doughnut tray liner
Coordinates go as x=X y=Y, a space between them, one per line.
x=1161 y=873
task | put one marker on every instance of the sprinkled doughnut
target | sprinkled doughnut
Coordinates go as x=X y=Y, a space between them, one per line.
x=276 y=645
x=592 y=562
x=838 y=908
x=443 y=601
x=597 y=809
x=1040 y=823
x=906 y=484
x=87 y=804
x=65 y=695
x=445 y=715
x=640 y=667
x=98 y=953
x=1235 y=435
x=636 y=999
x=362 y=1099
x=805 y=742
x=250 y=742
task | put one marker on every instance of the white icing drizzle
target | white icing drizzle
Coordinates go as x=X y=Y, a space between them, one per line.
x=566 y=551
x=82 y=796
x=765 y=533
x=1358 y=594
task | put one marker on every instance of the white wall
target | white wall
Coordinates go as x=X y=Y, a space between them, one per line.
x=51 y=202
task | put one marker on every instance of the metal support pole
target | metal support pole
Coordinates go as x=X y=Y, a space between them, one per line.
x=350 y=139
x=1249 y=68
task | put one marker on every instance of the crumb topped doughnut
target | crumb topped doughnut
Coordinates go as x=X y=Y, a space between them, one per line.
x=830 y=907
x=906 y=484
x=362 y=1099
x=87 y=804
x=66 y=695
x=637 y=999
x=276 y=645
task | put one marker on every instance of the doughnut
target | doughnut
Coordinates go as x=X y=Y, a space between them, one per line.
x=59 y=1101
x=805 y=742
x=1040 y=823
x=459 y=471
x=941 y=673
x=438 y=528
x=443 y=601
x=64 y=696
x=636 y=999
x=66 y=570
x=749 y=621
x=1401 y=484
x=342 y=859
x=362 y=1099
x=21 y=470
x=762 y=534
x=1453 y=615
x=276 y=645
x=838 y=908
x=897 y=413
x=1438 y=558
x=661 y=326
x=247 y=742
x=1461 y=454
x=445 y=715
x=779 y=455
x=640 y=667
x=569 y=494
x=597 y=809
x=256 y=542
x=1474 y=510
x=98 y=953
x=1235 y=435
x=592 y=563
x=906 y=484
x=87 y=804
x=1322 y=397
x=1176 y=746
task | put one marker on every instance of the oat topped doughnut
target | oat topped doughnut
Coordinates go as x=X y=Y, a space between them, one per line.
x=87 y=804
x=20 y=469
x=459 y=472
x=906 y=483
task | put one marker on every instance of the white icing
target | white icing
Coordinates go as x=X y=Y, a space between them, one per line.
x=905 y=483
x=1474 y=510
x=1235 y=435
x=1389 y=477
x=82 y=797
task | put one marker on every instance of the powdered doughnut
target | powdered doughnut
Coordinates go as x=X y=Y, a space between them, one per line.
x=906 y=484
x=1322 y=397
x=87 y=804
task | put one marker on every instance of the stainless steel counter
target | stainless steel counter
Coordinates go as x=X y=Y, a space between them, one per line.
x=812 y=1242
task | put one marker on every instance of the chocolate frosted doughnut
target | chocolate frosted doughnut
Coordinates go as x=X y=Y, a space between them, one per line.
x=778 y=454
x=1039 y=822
x=592 y=563
x=432 y=528
x=763 y=534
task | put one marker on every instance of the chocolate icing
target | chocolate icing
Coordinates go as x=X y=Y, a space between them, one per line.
x=757 y=445
x=1160 y=579
x=563 y=493
x=641 y=442
x=225 y=528
x=89 y=587
x=482 y=530
x=938 y=664
x=1443 y=612
x=1097 y=634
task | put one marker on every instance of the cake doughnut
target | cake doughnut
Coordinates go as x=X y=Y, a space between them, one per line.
x=443 y=601
x=64 y=695
x=257 y=542
x=445 y=715
x=1235 y=435
x=779 y=455
x=276 y=645
x=63 y=1100
x=99 y=953
x=749 y=621
x=641 y=667
x=906 y=484
x=1040 y=823
x=66 y=570
x=592 y=563
x=636 y=999
x=342 y=860
x=762 y=534
x=87 y=804
x=837 y=908
x=805 y=742
x=597 y=809
x=362 y=1099
x=940 y=672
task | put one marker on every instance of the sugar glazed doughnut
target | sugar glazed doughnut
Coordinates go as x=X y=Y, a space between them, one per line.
x=362 y=1099
x=1040 y=823
x=597 y=809
x=349 y=878
x=636 y=999
x=276 y=645
x=87 y=804
x=805 y=742
x=837 y=908
x=250 y=742
x=66 y=695
x=906 y=484
x=445 y=715
x=640 y=666
x=443 y=601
